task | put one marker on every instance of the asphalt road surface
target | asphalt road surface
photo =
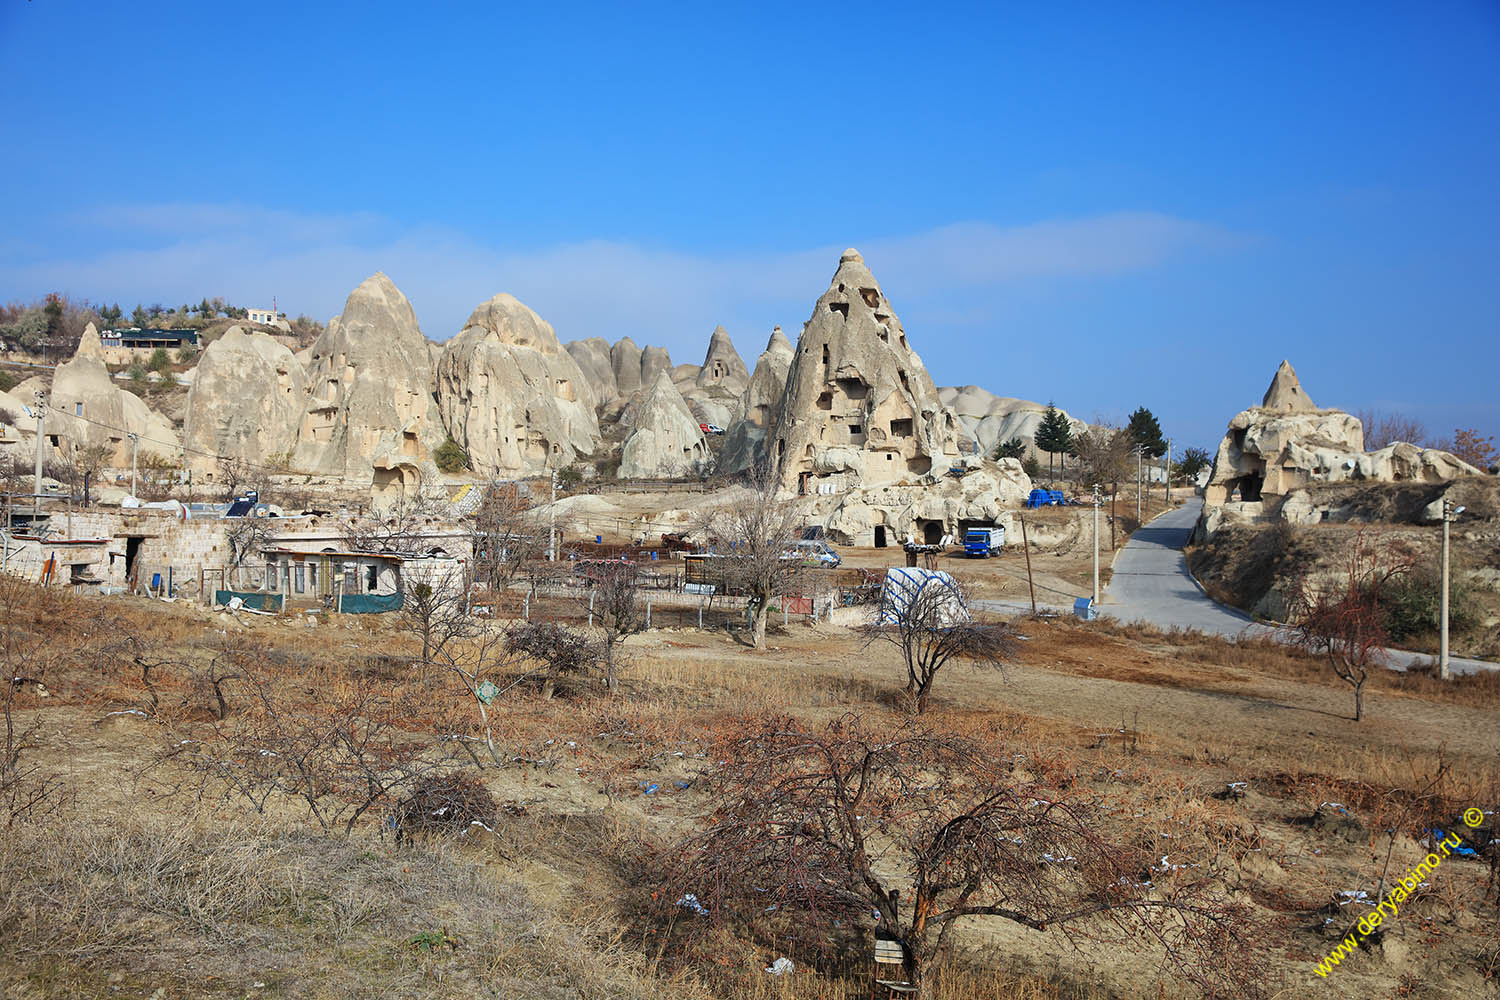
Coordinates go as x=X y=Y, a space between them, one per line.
x=1151 y=584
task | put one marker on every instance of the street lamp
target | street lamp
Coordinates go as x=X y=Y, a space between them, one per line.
x=1450 y=513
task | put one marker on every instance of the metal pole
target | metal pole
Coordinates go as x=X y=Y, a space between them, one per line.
x=135 y=447
x=1443 y=607
x=1097 y=503
x=36 y=502
x=1167 y=473
x=1139 y=451
x=648 y=614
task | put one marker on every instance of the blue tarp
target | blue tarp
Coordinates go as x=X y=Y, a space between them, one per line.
x=253 y=599
x=369 y=604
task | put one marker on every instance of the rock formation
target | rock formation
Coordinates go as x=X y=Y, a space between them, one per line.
x=991 y=420
x=594 y=360
x=860 y=408
x=510 y=394
x=888 y=515
x=370 y=416
x=87 y=409
x=722 y=365
x=654 y=361
x=625 y=359
x=246 y=402
x=745 y=443
x=1287 y=442
x=665 y=439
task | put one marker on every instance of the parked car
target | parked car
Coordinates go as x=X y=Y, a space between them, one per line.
x=703 y=428
x=814 y=553
x=715 y=429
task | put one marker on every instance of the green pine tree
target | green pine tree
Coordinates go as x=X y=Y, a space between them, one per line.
x=1014 y=448
x=1053 y=435
x=1144 y=430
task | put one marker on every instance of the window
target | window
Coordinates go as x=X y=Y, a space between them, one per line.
x=312 y=577
x=271 y=577
x=856 y=429
x=372 y=577
x=78 y=408
x=298 y=577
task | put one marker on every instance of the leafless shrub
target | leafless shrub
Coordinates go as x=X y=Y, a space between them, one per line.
x=564 y=653
x=931 y=625
x=341 y=755
x=27 y=789
x=813 y=826
x=1347 y=624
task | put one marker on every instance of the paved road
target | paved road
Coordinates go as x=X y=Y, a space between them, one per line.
x=1151 y=584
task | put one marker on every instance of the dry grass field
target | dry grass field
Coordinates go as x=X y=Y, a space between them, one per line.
x=159 y=864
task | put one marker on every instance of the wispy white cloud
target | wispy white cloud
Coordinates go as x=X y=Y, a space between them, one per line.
x=181 y=252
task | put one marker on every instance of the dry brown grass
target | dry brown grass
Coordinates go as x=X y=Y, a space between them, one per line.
x=550 y=906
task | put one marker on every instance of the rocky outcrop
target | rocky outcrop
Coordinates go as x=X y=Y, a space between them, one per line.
x=511 y=396
x=857 y=390
x=593 y=357
x=1270 y=451
x=654 y=361
x=625 y=359
x=989 y=493
x=87 y=409
x=665 y=439
x=745 y=443
x=722 y=365
x=991 y=420
x=246 y=401
x=370 y=416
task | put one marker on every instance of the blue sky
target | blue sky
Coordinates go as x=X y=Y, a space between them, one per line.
x=1107 y=205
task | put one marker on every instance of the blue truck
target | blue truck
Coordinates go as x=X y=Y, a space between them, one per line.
x=983 y=542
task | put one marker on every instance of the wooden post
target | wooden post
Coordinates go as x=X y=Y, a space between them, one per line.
x=1026 y=547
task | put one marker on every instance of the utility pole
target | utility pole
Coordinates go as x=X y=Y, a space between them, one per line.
x=1030 y=583
x=1449 y=513
x=1098 y=502
x=1139 y=451
x=36 y=488
x=135 y=446
x=552 y=522
x=1167 y=473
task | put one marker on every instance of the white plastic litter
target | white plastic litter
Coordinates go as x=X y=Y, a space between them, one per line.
x=780 y=967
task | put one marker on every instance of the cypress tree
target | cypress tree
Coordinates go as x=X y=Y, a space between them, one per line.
x=1145 y=431
x=1053 y=435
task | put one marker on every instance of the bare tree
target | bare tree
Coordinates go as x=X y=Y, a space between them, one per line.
x=753 y=537
x=930 y=623
x=1382 y=429
x=1103 y=455
x=397 y=527
x=830 y=822
x=505 y=536
x=435 y=610
x=617 y=610
x=1347 y=623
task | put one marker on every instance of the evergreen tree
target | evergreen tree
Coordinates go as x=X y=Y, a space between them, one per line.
x=139 y=317
x=1145 y=431
x=1014 y=448
x=1053 y=435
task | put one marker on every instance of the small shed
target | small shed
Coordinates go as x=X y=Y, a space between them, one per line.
x=905 y=585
